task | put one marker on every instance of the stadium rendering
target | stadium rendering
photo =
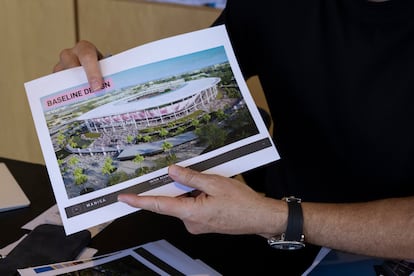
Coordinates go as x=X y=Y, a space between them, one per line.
x=156 y=105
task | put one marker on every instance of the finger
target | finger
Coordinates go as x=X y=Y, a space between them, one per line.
x=67 y=59
x=58 y=67
x=164 y=205
x=88 y=57
x=189 y=177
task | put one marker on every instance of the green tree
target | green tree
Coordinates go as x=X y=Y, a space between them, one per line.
x=179 y=130
x=80 y=177
x=107 y=167
x=72 y=143
x=220 y=115
x=206 y=118
x=195 y=123
x=61 y=139
x=147 y=138
x=61 y=165
x=171 y=158
x=129 y=139
x=118 y=177
x=167 y=146
x=163 y=132
x=138 y=159
x=211 y=135
x=73 y=161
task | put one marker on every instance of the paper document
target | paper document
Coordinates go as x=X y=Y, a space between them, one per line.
x=178 y=100
x=153 y=258
x=52 y=216
x=11 y=194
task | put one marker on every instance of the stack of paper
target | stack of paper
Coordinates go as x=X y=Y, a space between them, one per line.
x=154 y=258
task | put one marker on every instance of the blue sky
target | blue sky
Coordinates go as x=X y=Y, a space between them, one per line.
x=170 y=67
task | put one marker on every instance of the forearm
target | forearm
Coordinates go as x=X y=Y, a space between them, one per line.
x=383 y=228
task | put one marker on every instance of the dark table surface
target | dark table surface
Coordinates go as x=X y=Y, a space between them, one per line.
x=229 y=255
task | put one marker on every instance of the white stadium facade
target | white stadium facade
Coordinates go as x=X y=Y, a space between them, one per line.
x=146 y=110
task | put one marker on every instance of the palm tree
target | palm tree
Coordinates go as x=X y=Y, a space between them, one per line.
x=107 y=167
x=80 y=177
x=171 y=158
x=61 y=139
x=167 y=146
x=206 y=118
x=73 y=161
x=129 y=139
x=147 y=138
x=195 y=123
x=139 y=159
x=163 y=132
x=72 y=143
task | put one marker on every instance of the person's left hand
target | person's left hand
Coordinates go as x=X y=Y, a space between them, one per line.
x=223 y=205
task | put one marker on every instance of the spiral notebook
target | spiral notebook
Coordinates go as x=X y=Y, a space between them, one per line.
x=11 y=194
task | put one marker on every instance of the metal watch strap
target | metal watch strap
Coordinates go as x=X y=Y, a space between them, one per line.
x=295 y=219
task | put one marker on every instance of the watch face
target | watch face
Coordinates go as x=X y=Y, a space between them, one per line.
x=287 y=245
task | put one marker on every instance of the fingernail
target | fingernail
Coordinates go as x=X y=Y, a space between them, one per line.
x=96 y=85
x=173 y=170
x=121 y=198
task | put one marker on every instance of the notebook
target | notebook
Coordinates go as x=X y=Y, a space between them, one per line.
x=11 y=194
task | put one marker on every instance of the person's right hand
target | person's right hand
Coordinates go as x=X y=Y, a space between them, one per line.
x=85 y=54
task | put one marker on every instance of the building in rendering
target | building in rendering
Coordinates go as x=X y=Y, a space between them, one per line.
x=153 y=107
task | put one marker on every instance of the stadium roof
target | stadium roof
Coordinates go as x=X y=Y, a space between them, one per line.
x=122 y=106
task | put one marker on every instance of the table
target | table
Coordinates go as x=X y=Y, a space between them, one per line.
x=228 y=254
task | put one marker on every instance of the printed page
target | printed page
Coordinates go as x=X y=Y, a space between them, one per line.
x=153 y=258
x=178 y=100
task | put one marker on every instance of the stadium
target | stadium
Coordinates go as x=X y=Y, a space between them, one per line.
x=157 y=105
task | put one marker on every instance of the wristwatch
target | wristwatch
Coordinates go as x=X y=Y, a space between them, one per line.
x=293 y=238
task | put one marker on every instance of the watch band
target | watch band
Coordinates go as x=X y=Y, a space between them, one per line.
x=293 y=238
x=295 y=219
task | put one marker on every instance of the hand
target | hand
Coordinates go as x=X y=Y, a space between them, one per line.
x=223 y=205
x=83 y=54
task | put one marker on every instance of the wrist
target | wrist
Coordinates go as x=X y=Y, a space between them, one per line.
x=276 y=218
